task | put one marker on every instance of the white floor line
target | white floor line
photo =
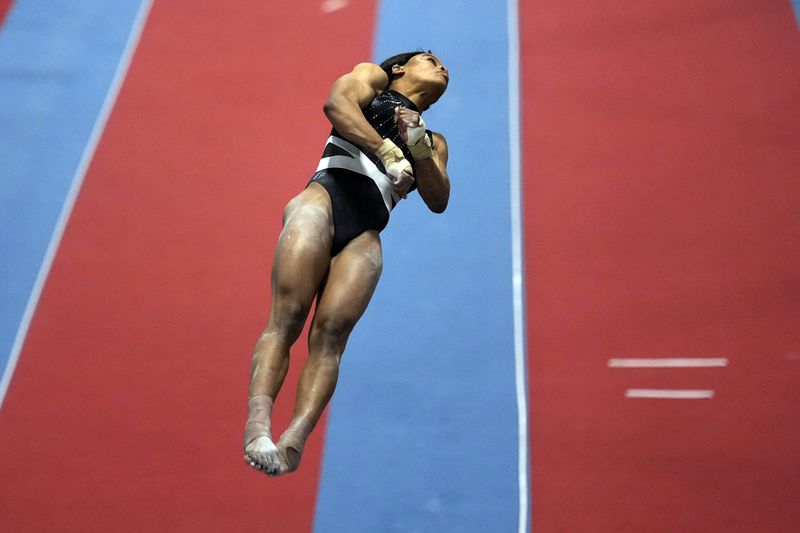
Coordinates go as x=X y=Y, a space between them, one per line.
x=670 y=394
x=329 y=6
x=672 y=362
x=515 y=178
x=72 y=194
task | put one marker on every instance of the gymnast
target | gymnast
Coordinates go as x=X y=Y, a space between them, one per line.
x=329 y=248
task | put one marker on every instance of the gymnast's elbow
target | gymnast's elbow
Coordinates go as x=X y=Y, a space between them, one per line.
x=438 y=206
x=330 y=107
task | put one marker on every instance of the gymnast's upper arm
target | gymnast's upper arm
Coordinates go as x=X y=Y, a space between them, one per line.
x=358 y=86
x=440 y=153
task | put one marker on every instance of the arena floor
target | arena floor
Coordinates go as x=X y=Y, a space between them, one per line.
x=602 y=333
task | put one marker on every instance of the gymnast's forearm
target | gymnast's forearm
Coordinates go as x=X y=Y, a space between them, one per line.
x=433 y=184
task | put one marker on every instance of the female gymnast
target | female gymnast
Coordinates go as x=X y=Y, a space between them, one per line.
x=329 y=248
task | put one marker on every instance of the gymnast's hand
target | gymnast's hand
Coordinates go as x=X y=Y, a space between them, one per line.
x=398 y=169
x=403 y=182
x=412 y=131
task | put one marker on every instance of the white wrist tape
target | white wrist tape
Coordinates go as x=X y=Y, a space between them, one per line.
x=422 y=149
x=419 y=143
x=417 y=133
x=393 y=159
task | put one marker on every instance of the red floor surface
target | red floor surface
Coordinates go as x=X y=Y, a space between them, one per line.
x=5 y=5
x=661 y=166
x=131 y=389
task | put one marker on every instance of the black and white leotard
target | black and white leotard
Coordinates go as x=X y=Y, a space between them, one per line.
x=355 y=179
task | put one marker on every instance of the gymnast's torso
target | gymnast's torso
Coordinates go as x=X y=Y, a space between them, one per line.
x=362 y=196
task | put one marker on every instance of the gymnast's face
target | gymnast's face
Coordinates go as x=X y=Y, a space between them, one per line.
x=426 y=69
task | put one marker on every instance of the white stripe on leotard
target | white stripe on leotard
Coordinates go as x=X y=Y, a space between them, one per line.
x=360 y=164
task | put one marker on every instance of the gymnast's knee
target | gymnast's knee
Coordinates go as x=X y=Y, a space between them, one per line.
x=288 y=320
x=330 y=334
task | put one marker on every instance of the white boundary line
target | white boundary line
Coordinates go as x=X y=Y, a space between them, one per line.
x=672 y=362
x=72 y=194
x=515 y=172
x=670 y=394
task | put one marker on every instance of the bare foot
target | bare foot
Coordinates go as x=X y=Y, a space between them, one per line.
x=259 y=450
x=263 y=455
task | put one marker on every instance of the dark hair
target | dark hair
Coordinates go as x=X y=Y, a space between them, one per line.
x=399 y=59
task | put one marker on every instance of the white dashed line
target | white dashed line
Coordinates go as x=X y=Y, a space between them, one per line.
x=685 y=362
x=329 y=6
x=670 y=394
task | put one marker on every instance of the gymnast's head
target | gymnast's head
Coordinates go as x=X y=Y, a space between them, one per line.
x=419 y=71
